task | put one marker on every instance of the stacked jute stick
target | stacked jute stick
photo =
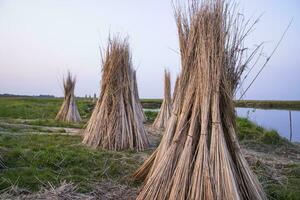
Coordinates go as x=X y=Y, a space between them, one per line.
x=138 y=104
x=175 y=89
x=199 y=156
x=69 y=111
x=166 y=106
x=117 y=120
x=94 y=98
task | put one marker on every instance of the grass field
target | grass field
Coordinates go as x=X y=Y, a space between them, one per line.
x=151 y=103
x=41 y=111
x=33 y=160
x=38 y=108
x=37 y=150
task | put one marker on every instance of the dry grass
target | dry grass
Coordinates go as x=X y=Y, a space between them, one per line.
x=199 y=156
x=166 y=106
x=68 y=191
x=69 y=111
x=117 y=119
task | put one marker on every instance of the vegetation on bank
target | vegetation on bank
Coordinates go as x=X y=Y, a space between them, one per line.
x=263 y=104
x=269 y=104
x=249 y=131
x=287 y=185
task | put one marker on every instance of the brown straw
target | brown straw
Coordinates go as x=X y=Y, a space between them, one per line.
x=117 y=120
x=199 y=156
x=166 y=107
x=68 y=111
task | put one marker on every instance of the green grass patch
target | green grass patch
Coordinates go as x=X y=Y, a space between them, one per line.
x=34 y=160
x=248 y=130
x=38 y=108
x=150 y=116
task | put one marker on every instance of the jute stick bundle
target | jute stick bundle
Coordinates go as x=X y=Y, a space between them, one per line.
x=117 y=122
x=69 y=111
x=166 y=106
x=94 y=98
x=175 y=89
x=199 y=156
x=141 y=113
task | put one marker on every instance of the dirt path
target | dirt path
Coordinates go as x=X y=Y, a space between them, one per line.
x=24 y=128
x=19 y=128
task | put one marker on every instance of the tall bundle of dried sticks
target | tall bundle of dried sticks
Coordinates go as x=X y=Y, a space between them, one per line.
x=166 y=106
x=199 y=156
x=175 y=89
x=68 y=111
x=117 y=120
x=141 y=113
x=94 y=98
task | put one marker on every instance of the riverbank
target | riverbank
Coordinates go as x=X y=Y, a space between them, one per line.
x=262 y=104
x=268 y=104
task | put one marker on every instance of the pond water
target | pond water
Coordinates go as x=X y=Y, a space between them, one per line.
x=274 y=119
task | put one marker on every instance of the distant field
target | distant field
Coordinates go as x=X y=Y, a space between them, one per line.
x=264 y=104
x=151 y=103
x=35 y=107
x=41 y=108
x=45 y=108
x=41 y=111
x=267 y=104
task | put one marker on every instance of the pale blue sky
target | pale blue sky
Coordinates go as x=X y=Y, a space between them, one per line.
x=40 y=40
